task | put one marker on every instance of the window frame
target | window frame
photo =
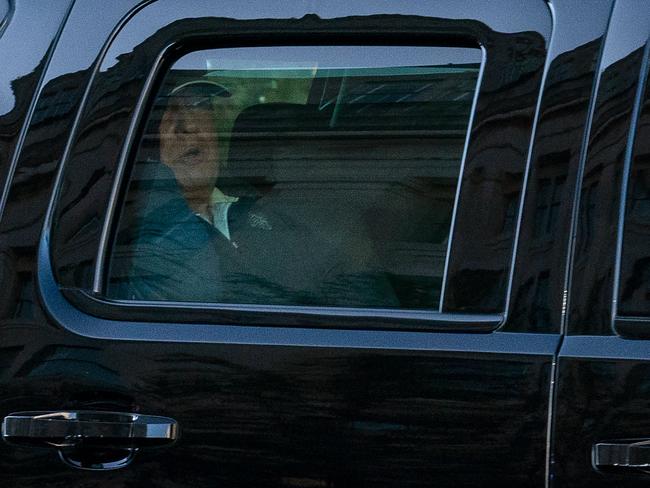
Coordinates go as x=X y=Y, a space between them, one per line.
x=636 y=327
x=88 y=300
x=120 y=189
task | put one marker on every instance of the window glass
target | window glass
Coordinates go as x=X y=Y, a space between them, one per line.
x=308 y=176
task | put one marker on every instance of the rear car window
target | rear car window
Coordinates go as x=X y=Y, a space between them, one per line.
x=307 y=176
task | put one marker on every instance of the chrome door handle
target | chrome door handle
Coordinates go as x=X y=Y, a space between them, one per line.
x=89 y=439
x=633 y=455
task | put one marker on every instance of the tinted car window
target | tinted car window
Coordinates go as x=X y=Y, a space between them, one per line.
x=298 y=176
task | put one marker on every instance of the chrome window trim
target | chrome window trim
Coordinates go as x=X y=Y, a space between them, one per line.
x=82 y=105
x=461 y=170
x=625 y=180
x=83 y=324
x=138 y=113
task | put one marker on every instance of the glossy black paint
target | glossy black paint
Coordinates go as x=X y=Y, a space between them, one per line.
x=602 y=386
x=297 y=416
x=540 y=271
x=591 y=300
x=332 y=407
x=603 y=394
x=632 y=314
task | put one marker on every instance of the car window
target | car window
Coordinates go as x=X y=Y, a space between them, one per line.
x=316 y=176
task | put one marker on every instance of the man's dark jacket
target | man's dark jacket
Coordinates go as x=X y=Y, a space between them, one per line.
x=279 y=253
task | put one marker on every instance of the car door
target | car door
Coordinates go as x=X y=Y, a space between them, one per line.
x=602 y=395
x=442 y=379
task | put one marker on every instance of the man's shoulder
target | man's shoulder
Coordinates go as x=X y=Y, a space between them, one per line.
x=250 y=214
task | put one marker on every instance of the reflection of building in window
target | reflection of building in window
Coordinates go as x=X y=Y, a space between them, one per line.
x=549 y=200
x=541 y=311
x=69 y=362
x=25 y=303
x=55 y=104
x=510 y=215
x=636 y=287
x=588 y=214
x=639 y=202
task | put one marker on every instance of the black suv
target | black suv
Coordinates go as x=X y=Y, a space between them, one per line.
x=325 y=244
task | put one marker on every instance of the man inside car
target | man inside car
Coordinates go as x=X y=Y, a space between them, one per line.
x=189 y=239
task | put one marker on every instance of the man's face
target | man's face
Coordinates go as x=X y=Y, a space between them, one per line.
x=189 y=147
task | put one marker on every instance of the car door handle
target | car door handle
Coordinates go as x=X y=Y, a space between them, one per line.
x=633 y=455
x=90 y=439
